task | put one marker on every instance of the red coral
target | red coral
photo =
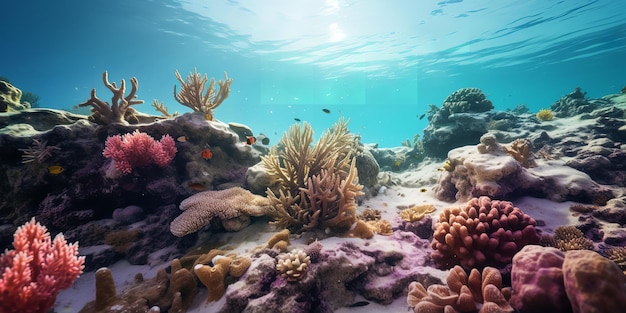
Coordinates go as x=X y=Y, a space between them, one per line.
x=35 y=272
x=138 y=149
x=484 y=232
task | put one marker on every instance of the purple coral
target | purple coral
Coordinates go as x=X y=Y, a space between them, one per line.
x=138 y=149
x=484 y=232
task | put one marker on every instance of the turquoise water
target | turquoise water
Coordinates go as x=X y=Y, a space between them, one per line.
x=380 y=63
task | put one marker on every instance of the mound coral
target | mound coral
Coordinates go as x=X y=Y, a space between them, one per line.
x=467 y=100
x=463 y=293
x=483 y=232
x=232 y=206
x=137 y=149
x=293 y=265
x=32 y=275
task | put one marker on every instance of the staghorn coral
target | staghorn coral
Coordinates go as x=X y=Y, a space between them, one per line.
x=545 y=115
x=328 y=202
x=38 y=152
x=119 y=111
x=196 y=95
x=481 y=233
x=463 y=293
x=293 y=265
x=298 y=159
x=416 y=212
x=228 y=205
x=567 y=238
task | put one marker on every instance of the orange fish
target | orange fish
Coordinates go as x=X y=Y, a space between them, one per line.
x=182 y=139
x=207 y=154
x=196 y=186
x=250 y=140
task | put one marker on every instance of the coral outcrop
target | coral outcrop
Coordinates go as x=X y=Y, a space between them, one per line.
x=484 y=232
x=504 y=171
x=10 y=98
x=460 y=121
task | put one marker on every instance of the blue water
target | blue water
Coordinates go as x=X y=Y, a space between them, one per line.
x=380 y=63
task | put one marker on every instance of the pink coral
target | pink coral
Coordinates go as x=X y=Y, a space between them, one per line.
x=138 y=149
x=483 y=232
x=33 y=274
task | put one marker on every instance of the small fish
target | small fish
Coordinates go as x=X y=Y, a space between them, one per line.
x=196 y=186
x=182 y=139
x=397 y=163
x=207 y=153
x=327 y=111
x=358 y=304
x=423 y=189
x=208 y=117
x=297 y=119
x=250 y=140
x=422 y=116
x=55 y=169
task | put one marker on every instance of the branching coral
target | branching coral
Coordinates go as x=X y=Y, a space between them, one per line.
x=520 y=150
x=195 y=94
x=293 y=265
x=119 y=111
x=38 y=152
x=463 y=293
x=567 y=238
x=483 y=232
x=416 y=212
x=317 y=185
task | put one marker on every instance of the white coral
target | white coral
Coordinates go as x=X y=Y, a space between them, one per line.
x=293 y=265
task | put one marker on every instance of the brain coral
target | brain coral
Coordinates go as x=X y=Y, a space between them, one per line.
x=483 y=233
x=467 y=100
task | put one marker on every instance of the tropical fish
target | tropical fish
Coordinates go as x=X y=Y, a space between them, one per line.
x=182 y=139
x=55 y=169
x=327 y=111
x=297 y=119
x=423 y=189
x=196 y=186
x=422 y=116
x=250 y=140
x=207 y=153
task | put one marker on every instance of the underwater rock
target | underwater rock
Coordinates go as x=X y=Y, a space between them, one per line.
x=10 y=98
x=574 y=103
x=367 y=168
x=128 y=215
x=537 y=280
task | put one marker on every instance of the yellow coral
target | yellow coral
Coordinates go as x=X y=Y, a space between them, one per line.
x=545 y=115
x=416 y=212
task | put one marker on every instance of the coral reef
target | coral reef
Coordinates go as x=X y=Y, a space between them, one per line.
x=37 y=270
x=484 y=232
x=574 y=103
x=232 y=206
x=195 y=94
x=416 y=212
x=463 y=293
